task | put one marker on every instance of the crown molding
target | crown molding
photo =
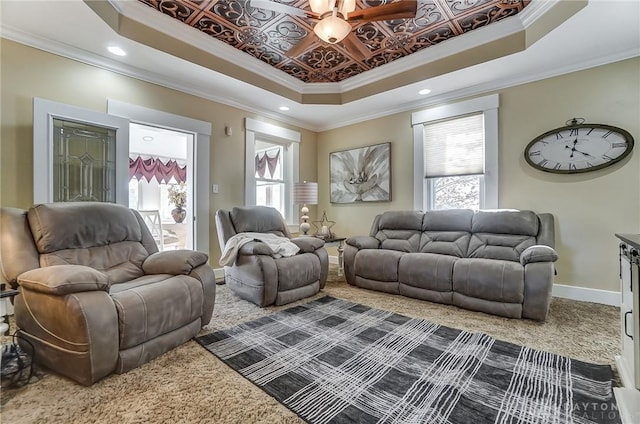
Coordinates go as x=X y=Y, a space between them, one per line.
x=79 y=55
x=485 y=88
x=92 y=59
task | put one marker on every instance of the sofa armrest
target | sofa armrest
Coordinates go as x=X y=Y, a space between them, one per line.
x=174 y=262
x=308 y=244
x=255 y=248
x=64 y=279
x=538 y=253
x=363 y=242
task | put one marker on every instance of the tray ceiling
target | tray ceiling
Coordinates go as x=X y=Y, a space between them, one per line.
x=268 y=35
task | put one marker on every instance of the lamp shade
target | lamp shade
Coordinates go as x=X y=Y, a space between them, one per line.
x=305 y=193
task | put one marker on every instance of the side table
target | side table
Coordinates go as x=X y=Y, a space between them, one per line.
x=17 y=364
x=337 y=241
x=5 y=295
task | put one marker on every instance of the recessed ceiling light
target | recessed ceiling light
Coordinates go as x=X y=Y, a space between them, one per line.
x=284 y=108
x=424 y=91
x=117 y=51
x=147 y=138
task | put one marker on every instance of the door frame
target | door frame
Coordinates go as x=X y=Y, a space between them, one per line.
x=201 y=148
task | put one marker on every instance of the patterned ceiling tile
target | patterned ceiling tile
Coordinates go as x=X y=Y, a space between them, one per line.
x=269 y=35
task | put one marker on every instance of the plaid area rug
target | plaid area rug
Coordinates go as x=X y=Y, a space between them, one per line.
x=333 y=361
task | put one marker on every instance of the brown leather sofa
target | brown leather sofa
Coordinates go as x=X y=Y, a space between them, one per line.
x=259 y=276
x=96 y=296
x=494 y=261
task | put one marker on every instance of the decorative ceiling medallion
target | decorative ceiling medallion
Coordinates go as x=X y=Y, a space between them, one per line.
x=269 y=35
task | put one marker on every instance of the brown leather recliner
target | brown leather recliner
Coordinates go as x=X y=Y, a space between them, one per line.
x=96 y=296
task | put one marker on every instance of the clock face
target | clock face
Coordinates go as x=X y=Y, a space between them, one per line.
x=578 y=148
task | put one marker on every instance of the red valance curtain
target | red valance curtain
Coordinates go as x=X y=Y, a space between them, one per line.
x=155 y=168
x=264 y=160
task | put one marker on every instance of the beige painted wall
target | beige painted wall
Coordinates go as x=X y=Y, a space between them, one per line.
x=588 y=208
x=28 y=73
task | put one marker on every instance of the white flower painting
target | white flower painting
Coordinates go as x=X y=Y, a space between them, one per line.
x=361 y=175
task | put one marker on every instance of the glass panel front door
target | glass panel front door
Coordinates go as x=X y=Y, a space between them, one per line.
x=83 y=162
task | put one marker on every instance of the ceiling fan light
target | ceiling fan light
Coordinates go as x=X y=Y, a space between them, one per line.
x=348 y=6
x=321 y=6
x=332 y=29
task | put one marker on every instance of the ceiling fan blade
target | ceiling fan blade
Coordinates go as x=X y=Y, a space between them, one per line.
x=398 y=10
x=355 y=47
x=302 y=45
x=282 y=8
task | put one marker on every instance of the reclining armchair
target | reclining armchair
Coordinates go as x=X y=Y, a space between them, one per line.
x=260 y=275
x=96 y=296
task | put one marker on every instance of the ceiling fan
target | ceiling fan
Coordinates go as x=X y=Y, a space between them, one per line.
x=334 y=20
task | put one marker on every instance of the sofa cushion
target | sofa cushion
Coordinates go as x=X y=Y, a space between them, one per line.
x=297 y=271
x=505 y=222
x=155 y=306
x=257 y=219
x=427 y=271
x=499 y=246
x=448 y=220
x=400 y=230
x=452 y=243
x=80 y=225
x=119 y=261
x=378 y=265
x=495 y=280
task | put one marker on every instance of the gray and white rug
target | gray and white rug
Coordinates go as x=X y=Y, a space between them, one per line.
x=333 y=361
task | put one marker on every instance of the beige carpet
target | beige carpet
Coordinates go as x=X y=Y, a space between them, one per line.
x=190 y=385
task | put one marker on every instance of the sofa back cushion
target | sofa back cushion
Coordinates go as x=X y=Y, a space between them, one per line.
x=258 y=219
x=103 y=236
x=400 y=230
x=446 y=232
x=502 y=234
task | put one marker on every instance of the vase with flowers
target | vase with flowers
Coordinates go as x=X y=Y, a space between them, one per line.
x=178 y=197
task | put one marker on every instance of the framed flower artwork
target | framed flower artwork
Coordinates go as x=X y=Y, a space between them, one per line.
x=361 y=175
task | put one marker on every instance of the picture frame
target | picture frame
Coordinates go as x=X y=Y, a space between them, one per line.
x=362 y=174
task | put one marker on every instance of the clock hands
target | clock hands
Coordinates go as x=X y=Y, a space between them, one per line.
x=573 y=149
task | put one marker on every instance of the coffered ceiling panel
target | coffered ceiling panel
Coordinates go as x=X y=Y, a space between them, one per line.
x=269 y=35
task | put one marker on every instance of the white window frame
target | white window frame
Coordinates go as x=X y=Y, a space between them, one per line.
x=290 y=140
x=423 y=187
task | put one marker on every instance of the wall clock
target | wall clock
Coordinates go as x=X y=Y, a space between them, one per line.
x=578 y=147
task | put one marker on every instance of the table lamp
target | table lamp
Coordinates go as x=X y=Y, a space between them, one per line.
x=305 y=193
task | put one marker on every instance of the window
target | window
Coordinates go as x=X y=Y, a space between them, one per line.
x=272 y=157
x=455 y=155
x=270 y=183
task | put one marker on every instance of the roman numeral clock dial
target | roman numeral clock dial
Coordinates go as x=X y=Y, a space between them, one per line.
x=578 y=147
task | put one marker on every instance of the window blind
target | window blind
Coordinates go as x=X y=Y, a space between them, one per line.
x=454 y=147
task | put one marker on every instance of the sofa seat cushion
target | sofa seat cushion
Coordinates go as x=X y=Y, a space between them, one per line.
x=153 y=305
x=297 y=271
x=378 y=265
x=427 y=271
x=494 y=280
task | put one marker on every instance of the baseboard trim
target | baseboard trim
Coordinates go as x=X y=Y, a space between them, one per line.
x=219 y=273
x=584 y=294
